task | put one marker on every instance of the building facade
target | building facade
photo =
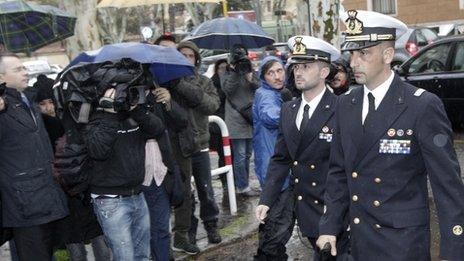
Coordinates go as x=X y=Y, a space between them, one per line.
x=431 y=13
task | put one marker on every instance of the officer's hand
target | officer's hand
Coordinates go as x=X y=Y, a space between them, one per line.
x=2 y=104
x=261 y=213
x=323 y=239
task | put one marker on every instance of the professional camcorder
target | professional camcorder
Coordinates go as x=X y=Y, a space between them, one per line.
x=81 y=88
x=239 y=59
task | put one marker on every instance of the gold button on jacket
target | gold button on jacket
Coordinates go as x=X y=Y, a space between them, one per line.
x=457 y=230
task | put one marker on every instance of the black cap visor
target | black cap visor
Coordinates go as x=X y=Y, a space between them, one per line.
x=353 y=46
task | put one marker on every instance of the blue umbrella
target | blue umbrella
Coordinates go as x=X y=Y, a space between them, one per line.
x=165 y=63
x=223 y=33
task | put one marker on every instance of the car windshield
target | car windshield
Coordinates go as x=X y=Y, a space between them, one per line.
x=432 y=60
x=37 y=67
x=429 y=35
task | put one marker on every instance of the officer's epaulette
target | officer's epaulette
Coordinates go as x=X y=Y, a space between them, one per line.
x=348 y=92
x=419 y=92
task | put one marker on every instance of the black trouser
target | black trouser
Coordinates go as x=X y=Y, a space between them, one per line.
x=201 y=171
x=35 y=242
x=183 y=212
x=278 y=228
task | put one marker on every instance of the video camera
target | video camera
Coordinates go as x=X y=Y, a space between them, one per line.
x=81 y=88
x=239 y=59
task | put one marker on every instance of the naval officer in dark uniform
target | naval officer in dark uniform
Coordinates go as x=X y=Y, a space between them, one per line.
x=303 y=145
x=390 y=137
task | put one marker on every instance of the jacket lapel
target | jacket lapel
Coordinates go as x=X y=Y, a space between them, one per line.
x=17 y=111
x=388 y=111
x=353 y=122
x=290 y=126
x=21 y=115
x=321 y=115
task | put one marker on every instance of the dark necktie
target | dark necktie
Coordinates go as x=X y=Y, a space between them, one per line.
x=371 y=110
x=305 y=119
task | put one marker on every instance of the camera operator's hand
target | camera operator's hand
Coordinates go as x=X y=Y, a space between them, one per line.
x=162 y=95
x=2 y=104
x=109 y=95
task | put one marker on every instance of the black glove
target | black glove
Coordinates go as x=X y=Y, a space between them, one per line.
x=286 y=95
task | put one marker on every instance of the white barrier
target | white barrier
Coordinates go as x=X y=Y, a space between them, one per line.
x=227 y=161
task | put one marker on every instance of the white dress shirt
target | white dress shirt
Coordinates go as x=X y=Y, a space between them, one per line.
x=378 y=94
x=312 y=107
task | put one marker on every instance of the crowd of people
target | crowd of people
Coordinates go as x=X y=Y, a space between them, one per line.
x=347 y=165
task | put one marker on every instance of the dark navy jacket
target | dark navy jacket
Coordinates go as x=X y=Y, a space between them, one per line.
x=30 y=196
x=379 y=175
x=308 y=158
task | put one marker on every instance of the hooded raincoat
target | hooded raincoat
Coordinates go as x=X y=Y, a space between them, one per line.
x=266 y=116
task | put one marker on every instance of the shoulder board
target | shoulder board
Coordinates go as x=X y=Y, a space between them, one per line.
x=348 y=92
x=419 y=92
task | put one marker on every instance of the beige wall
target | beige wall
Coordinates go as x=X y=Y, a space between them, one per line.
x=420 y=12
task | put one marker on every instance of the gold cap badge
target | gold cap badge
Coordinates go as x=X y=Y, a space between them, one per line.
x=299 y=47
x=353 y=24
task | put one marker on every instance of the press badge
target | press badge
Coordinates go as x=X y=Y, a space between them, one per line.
x=325 y=136
x=390 y=146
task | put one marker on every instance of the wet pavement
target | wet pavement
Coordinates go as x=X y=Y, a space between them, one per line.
x=240 y=232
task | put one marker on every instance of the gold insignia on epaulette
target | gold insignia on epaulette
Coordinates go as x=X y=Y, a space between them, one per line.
x=353 y=25
x=299 y=47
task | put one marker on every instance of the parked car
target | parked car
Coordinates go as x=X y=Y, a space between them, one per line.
x=439 y=68
x=34 y=68
x=407 y=45
x=281 y=50
x=411 y=42
x=207 y=63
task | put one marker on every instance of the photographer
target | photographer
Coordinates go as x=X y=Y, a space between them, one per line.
x=239 y=85
x=115 y=138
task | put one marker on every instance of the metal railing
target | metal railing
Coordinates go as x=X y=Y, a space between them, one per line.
x=228 y=163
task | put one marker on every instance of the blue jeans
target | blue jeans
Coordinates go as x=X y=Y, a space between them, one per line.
x=241 y=152
x=125 y=222
x=160 y=210
x=101 y=251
